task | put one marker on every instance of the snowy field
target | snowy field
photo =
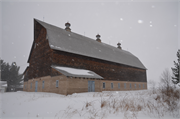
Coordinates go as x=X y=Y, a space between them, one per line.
x=106 y=105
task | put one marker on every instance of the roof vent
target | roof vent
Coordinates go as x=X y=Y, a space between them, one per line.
x=119 y=45
x=67 y=26
x=98 y=38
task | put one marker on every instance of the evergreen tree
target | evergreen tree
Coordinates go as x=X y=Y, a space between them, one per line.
x=176 y=69
x=10 y=73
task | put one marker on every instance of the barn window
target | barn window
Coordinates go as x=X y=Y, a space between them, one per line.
x=31 y=85
x=130 y=85
x=118 y=85
x=57 y=83
x=124 y=85
x=135 y=85
x=43 y=85
x=25 y=87
x=112 y=85
x=143 y=86
x=104 y=85
x=139 y=85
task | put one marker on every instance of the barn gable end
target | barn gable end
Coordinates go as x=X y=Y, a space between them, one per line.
x=40 y=55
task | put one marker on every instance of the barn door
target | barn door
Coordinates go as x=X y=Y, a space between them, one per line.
x=91 y=86
x=36 y=86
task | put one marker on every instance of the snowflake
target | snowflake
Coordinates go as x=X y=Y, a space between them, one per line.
x=140 y=21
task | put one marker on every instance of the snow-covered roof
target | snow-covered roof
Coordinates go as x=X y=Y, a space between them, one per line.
x=62 y=40
x=73 y=72
x=3 y=82
x=4 y=85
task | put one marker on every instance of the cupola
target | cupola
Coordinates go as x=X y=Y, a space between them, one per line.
x=98 y=38
x=119 y=45
x=67 y=26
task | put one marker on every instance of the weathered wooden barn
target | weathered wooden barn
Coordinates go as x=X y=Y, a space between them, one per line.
x=65 y=62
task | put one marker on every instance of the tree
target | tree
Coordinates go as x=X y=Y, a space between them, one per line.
x=152 y=86
x=176 y=69
x=10 y=73
x=166 y=81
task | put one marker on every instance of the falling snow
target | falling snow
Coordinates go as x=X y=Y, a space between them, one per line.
x=150 y=25
x=140 y=21
x=121 y=19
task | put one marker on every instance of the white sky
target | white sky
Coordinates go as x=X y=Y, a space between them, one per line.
x=148 y=29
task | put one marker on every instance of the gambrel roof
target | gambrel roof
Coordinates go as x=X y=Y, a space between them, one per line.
x=62 y=40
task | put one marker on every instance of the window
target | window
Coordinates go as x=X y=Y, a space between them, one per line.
x=112 y=85
x=57 y=83
x=118 y=85
x=139 y=85
x=130 y=85
x=135 y=86
x=124 y=85
x=43 y=85
x=104 y=85
x=143 y=86
x=31 y=85
x=25 y=87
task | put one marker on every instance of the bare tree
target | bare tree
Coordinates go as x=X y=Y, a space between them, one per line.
x=166 y=80
x=152 y=85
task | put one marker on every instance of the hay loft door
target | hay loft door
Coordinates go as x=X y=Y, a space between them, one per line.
x=91 y=86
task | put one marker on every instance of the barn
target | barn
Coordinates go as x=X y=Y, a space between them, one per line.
x=64 y=62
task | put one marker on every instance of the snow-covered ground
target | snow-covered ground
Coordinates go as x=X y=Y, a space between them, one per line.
x=92 y=105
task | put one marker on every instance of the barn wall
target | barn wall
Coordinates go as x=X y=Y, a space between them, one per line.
x=62 y=86
x=139 y=85
x=40 y=55
x=108 y=70
x=49 y=84
x=25 y=87
x=79 y=85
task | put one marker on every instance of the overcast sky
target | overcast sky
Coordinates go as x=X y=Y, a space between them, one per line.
x=148 y=29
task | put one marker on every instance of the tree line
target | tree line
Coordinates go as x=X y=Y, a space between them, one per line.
x=10 y=73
